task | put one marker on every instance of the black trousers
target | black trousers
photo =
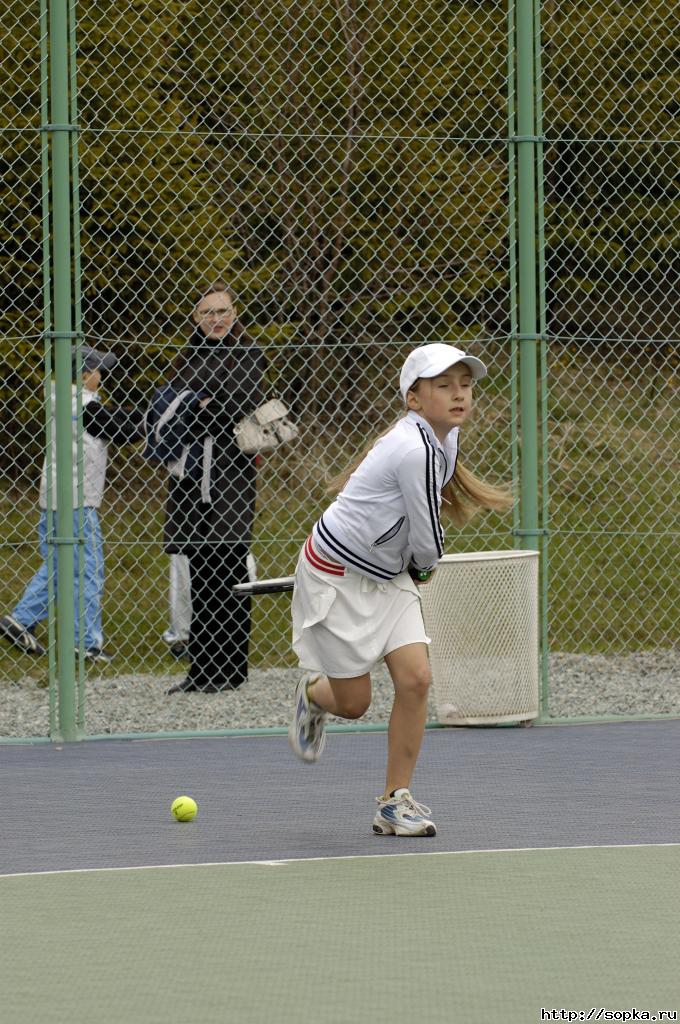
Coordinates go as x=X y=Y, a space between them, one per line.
x=220 y=621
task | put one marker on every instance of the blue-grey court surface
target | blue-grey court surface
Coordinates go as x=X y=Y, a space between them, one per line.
x=106 y=803
x=551 y=888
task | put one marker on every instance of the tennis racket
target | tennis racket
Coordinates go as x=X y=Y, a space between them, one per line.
x=286 y=583
x=273 y=586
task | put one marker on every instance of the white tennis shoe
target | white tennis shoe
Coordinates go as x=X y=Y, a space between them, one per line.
x=401 y=815
x=306 y=734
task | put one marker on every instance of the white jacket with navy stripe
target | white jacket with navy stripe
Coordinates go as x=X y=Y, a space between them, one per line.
x=386 y=518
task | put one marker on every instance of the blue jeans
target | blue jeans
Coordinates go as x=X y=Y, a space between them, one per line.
x=32 y=607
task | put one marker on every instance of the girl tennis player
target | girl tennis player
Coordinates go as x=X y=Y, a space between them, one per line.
x=356 y=597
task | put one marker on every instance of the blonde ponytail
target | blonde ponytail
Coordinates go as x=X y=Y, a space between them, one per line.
x=465 y=493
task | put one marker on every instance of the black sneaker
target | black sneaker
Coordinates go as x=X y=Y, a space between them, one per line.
x=20 y=636
x=186 y=686
x=96 y=655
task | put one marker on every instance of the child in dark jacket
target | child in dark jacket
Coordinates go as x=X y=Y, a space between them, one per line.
x=101 y=425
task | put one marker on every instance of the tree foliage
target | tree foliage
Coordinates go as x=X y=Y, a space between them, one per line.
x=344 y=165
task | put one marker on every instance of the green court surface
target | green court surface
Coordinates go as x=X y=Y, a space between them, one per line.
x=470 y=937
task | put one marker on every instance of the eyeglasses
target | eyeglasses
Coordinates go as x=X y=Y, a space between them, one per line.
x=214 y=314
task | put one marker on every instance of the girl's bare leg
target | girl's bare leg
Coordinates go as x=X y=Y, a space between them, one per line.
x=410 y=671
x=346 y=698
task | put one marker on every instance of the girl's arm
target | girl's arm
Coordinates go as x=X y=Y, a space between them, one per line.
x=417 y=478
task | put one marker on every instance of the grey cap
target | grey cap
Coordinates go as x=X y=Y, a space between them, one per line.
x=93 y=359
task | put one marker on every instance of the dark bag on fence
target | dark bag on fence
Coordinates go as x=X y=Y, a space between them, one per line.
x=168 y=428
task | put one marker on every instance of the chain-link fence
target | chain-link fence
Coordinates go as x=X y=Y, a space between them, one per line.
x=610 y=121
x=350 y=171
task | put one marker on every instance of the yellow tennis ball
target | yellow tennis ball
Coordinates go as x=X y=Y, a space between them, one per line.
x=184 y=808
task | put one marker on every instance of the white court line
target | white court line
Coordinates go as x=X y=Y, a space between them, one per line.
x=353 y=856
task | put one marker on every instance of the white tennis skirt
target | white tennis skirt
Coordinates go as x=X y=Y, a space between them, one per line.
x=345 y=623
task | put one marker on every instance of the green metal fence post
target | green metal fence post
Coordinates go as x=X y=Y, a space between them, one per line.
x=78 y=325
x=512 y=258
x=526 y=231
x=47 y=328
x=63 y=336
x=542 y=326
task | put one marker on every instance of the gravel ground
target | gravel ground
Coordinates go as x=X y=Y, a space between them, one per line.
x=640 y=683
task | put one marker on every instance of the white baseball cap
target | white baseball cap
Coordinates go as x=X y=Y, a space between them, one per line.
x=433 y=361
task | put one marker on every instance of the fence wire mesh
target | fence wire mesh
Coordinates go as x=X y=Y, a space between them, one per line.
x=344 y=167
x=610 y=121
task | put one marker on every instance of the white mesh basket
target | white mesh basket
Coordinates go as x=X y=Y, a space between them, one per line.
x=481 y=613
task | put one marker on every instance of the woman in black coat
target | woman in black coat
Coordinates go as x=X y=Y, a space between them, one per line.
x=216 y=380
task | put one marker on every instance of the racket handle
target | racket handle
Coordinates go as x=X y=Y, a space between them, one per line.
x=420 y=575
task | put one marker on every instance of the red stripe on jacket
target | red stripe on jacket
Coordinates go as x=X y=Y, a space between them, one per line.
x=315 y=559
